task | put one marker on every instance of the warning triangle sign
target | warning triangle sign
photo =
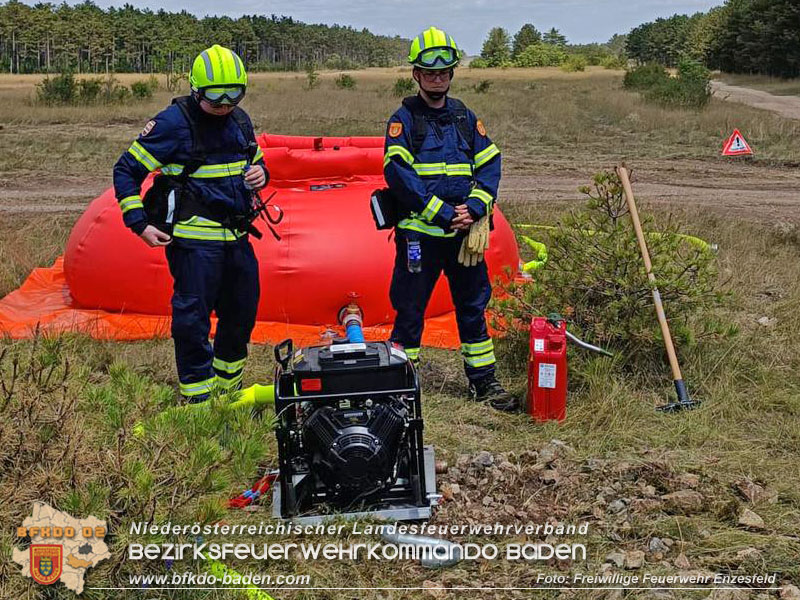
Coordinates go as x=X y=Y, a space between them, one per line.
x=736 y=145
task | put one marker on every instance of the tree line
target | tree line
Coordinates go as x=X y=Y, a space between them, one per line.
x=529 y=47
x=87 y=39
x=742 y=36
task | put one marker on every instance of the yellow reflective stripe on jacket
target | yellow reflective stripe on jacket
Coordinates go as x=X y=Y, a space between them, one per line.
x=208 y=171
x=415 y=224
x=143 y=156
x=200 y=232
x=172 y=169
x=485 y=155
x=432 y=208
x=130 y=202
x=397 y=151
x=201 y=222
x=228 y=367
x=223 y=170
x=197 y=388
x=484 y=197
x=454 y=170
x=259 y=155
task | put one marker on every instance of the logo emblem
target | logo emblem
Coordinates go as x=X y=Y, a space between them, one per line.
x=395 y=129
x=148 y=128
x=481 y=129
x=46 y=563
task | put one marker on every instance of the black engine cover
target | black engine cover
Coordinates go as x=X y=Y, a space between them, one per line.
x=354 y=451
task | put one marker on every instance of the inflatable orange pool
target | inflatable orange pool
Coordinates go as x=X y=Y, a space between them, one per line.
x=110 y=285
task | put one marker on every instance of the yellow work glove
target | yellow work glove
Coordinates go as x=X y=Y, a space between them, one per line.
x=475 y=243
x=478 y=238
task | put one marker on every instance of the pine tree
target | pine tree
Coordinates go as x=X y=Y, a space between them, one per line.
x=555 y=38
x=526 y=36
x=496 y=49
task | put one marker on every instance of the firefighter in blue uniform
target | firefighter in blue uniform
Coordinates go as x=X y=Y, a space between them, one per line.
x=204 y=147
x=444 y=172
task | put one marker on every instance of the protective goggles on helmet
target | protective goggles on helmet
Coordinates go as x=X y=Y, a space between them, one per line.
x=440 y=58
x=218 y=96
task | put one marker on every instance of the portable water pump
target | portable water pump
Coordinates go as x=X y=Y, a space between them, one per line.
x=349 y=430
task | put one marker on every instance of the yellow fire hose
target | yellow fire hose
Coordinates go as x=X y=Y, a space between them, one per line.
x=541 y=249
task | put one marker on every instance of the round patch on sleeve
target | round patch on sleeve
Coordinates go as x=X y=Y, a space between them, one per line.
x=148 y=128
x=395 y=129
x=481 y=129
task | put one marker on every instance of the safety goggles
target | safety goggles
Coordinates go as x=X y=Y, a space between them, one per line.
x=437 y=57
x=218 y=96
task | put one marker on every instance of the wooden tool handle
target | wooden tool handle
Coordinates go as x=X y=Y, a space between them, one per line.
x=662 y=318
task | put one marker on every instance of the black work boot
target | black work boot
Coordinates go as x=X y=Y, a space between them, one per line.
x=489 y=390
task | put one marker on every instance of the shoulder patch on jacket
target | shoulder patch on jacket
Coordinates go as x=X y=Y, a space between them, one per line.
x=148 y=128
x=481 y=129
x=395 y=129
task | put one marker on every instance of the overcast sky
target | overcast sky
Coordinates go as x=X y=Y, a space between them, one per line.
x=582 y=21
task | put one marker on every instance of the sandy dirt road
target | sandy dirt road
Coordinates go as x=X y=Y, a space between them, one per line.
x=744 y=190
x=736 y=189
x=785 y=106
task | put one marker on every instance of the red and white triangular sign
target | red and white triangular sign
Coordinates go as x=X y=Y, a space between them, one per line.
x=736 y=145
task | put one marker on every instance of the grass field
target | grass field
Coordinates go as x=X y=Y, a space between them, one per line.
x=773 y=85
x=68 y=405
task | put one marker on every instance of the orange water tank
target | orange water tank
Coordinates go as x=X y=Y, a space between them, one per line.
x=329 y=247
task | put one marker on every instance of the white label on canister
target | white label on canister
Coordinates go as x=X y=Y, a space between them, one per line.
x=538 y=345
x=547 y=376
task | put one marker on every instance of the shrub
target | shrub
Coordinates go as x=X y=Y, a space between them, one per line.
x=403 y=87
x=482 y=86
x=478 y=63
x=345 y=82
x=541 y=55
x=174 y=80
x=595 y=276
x=613 y=62
x=112 y=92
x=691 y=88
x=141 y=90
x=312 y=77
x=64 y=89
x=574 y=63
x=695 y=80
x=89 y=90
x=645 y=76
x=60 y=89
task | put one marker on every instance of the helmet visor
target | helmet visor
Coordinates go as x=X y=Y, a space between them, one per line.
x=440 y=58
x=222 y=95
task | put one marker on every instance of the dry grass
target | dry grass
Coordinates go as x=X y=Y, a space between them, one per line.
x=20 y=254
x=547 y=122
x=531 y=113
x=773 y=85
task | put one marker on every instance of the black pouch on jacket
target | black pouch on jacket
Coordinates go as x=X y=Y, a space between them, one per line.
x=162 y=202
x=383 y=205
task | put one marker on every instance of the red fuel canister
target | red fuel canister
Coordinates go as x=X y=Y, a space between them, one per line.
x=547 y=371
